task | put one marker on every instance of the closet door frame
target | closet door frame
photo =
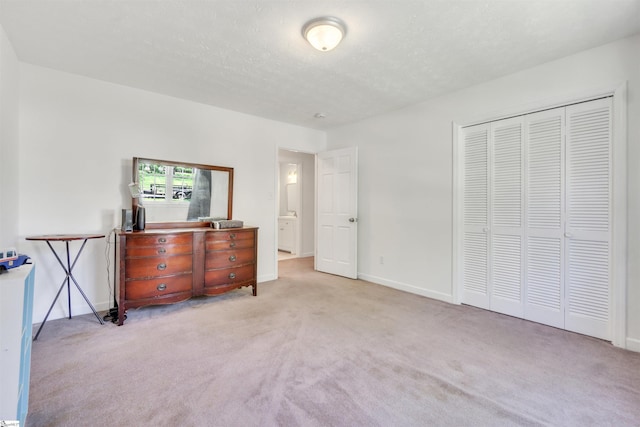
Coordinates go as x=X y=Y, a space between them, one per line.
x=618 y=306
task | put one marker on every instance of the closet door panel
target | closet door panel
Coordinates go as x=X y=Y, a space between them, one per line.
x=506 y=219
x=475 y=270
x=588 y=224
x=587 y=287
x=506 y=284
x=545 y=189
x=544 y=300
x=475 y=211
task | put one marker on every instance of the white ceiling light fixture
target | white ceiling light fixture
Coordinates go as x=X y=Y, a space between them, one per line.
x=324 y=33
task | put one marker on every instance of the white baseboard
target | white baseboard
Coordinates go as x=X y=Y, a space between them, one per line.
x=633 y=344
x=407 y=288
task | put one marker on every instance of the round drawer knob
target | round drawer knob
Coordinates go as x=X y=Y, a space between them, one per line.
x=161 y=287
x=162 y=266
x=232 y=275
x=232 y=244
x=232 y=258
x=162 y=240
x=232 y=235
x=162 y=250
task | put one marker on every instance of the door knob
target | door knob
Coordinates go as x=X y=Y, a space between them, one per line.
x=353 y=219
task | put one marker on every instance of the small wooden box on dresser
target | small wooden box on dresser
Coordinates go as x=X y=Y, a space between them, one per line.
x=163 y=266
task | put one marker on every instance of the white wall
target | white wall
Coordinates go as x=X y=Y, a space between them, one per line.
x=9 y=144
x=78 y=138
x=405 y=177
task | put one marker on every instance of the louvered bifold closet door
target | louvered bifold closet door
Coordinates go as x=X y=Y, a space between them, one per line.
x=475 y=212
x=544 y=147
x=506 y=216
x=588 y=226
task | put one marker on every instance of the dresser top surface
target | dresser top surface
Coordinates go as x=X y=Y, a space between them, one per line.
x=183 y=230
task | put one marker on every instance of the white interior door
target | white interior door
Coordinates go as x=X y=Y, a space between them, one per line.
x=545 y=136
x=337 y=212
x=493 y=201
x=506 y=226
x=475 y=217
x=588 y=223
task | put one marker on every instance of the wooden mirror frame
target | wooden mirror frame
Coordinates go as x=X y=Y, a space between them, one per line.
x=178 y=223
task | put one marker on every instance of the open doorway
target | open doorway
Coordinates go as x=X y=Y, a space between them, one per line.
x=296 y=204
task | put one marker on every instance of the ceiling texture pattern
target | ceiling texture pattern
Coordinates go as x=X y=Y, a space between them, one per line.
x=249 y=55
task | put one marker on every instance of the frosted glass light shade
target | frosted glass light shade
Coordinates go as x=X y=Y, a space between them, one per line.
x=325 y=33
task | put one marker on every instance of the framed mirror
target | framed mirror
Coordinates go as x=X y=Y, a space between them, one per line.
x=178 y=194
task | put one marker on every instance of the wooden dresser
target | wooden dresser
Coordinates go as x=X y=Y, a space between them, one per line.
x=163 y=266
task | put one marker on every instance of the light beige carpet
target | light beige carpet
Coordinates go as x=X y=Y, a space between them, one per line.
x=318 y=350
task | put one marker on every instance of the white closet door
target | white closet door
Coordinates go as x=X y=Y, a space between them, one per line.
x=475 y=212
x=545 y=136
x=506 y=213
x=588 y=225
x=537 y=212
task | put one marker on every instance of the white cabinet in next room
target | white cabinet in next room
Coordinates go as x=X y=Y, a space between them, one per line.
x=287 y=233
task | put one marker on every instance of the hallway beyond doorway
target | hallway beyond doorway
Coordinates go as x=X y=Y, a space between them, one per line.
x=282 y=255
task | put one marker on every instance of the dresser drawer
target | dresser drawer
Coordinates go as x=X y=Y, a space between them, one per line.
x=153 y=288
x=227 y=259
x=159 y=250
x=218 y=245
x=159 y=239
x=238 y=234
x=138 y=268
x=228 y=276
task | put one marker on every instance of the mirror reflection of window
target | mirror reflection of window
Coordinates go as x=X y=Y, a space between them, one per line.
x=152 y=180
x=165 y=183
x=182 y=184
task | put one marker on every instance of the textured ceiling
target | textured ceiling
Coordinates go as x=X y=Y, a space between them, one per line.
x=249 y=55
